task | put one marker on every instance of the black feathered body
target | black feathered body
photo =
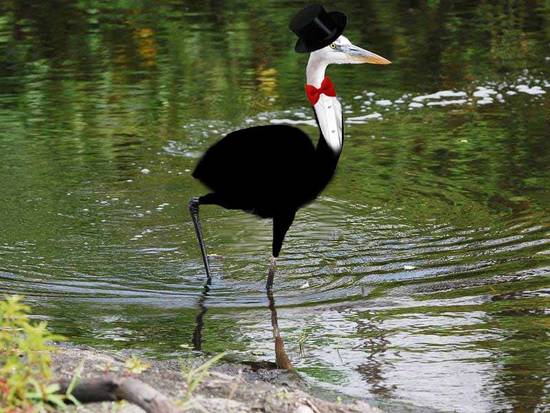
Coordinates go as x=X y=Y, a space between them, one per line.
x=266 y=170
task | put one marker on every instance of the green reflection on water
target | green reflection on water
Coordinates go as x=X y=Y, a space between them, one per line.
x=427 y=257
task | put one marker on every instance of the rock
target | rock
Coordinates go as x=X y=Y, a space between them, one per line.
x=303 y=409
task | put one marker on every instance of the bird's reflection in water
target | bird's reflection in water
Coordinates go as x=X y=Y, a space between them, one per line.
x=281 y=358
x=199 y=320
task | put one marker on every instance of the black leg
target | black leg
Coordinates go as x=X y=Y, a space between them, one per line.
x=281 y=224
x=194 y=210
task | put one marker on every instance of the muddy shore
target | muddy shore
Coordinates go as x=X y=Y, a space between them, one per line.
x=228 y=387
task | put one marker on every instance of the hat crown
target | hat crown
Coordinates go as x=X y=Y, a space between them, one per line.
x=316 y=28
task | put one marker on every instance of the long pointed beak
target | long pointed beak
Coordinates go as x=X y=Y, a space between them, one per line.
x=359 y=55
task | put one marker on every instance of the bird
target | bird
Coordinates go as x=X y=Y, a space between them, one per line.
x=272 y=171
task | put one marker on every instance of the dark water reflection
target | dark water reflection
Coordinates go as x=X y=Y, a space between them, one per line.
x=420 y=278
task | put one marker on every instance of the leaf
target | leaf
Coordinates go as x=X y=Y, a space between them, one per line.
x=52 y=388
x=75 y=379
x=135 y=365
x=56 y=399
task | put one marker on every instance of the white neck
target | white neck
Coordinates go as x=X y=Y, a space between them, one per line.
x=327 y=108
x=315 y=71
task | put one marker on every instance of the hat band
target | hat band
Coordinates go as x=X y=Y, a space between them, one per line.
x=315 y=43
x=322 y=26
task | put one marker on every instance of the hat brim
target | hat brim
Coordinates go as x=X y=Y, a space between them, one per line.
x=339 y=19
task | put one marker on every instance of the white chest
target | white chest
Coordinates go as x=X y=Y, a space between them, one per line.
x=329 y=115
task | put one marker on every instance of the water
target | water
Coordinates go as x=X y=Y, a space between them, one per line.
x=418 y=279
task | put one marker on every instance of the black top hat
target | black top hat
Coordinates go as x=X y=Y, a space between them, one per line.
x=316 y=28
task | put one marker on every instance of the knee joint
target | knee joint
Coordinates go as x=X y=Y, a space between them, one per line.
x=194 y=205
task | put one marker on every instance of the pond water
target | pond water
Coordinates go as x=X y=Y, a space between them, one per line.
x=419 y=279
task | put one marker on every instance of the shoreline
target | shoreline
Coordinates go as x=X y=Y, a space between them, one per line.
x=226 y=386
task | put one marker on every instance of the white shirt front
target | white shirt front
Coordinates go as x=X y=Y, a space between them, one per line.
x=329 y=115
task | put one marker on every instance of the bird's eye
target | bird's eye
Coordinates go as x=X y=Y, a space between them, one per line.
x=333 y=46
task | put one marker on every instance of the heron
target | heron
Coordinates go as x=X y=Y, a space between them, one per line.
x=272 y=171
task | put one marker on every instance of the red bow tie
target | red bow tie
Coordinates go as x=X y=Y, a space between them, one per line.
x=327 y=88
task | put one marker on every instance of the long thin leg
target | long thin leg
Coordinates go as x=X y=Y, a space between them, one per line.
x=281 y=224
x=281 y=358
x=194 y=210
